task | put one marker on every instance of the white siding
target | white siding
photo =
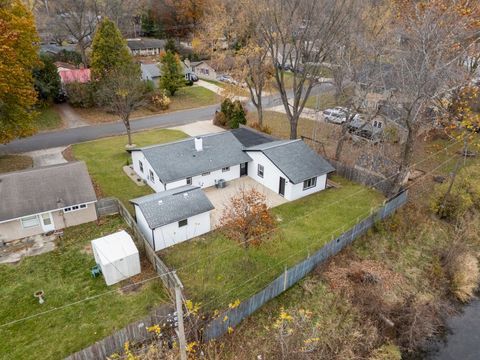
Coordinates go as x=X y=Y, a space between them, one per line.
x=205 y=181
x=172 y=234
x=138 y=156
x=296 y=190
x=272 y=174
x=142 y=224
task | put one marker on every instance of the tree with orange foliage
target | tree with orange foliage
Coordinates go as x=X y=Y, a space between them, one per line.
x=18 y=57
x=246 y=218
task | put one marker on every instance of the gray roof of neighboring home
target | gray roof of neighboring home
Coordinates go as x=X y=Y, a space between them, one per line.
x=152 y=70
x=179 y=160
x=37 y=190
x=55 y=49
x=378 y=76
x=145 y=43
x=251 y=137
x=295 y=159
x=173 y=205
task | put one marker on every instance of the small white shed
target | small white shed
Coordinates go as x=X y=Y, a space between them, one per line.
x=117 y=256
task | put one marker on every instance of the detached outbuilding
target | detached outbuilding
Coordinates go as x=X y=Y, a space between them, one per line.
x=117 y=256
x=173 y=216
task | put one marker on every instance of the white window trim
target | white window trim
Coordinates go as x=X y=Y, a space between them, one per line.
x=186 y=223
x=140 y=164
x=151 y=176
x=226 y=169
x=29 y=218
x=260 y=171
x=314 y=183
x=206 y=173
x=189 y=180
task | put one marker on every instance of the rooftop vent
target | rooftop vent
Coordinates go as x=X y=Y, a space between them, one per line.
x=198 y=144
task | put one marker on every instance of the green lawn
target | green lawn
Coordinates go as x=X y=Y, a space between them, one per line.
x=64 y=275
x=14 y=163
x=190 y=97
x=220 y=269
x=327 y=100
x=105 y=159
x=48 y=119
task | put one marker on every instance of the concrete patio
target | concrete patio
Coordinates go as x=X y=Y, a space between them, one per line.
x=220 y=197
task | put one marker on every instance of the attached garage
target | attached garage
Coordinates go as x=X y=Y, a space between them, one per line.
x=117 y=256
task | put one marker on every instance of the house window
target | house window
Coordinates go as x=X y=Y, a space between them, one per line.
x=30 y=221
x=189 y=181
x=150 y=176
x=309 y=183
x=206 y=173
x=260 y=170
x=226 y=169
x=183 y=223
x=141 y=166
x=74 y=208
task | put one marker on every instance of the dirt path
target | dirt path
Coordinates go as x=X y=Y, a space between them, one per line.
x=71 y=119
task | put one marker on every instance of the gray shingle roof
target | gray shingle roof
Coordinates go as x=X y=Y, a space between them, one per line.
x=179 y=160
x=151 y=70
x=173 y=205
x=145 y=43
x=295 y=159
x=251 y=137
x=43 y=189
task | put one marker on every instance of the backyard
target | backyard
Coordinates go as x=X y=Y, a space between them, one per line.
x=105 y=159
x=216 y=271
x=188 y=97
x=64 y=275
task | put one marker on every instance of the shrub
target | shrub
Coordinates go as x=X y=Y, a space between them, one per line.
x=220 y=119
x=237 y=116
x=464 y=196
x=386 y=352
x=80 y=95
x=160 y=100
x=464 y=275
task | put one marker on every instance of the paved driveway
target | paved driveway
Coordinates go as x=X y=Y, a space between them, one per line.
x=220 y=197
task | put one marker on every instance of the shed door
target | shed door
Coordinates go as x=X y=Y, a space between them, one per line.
x=281 y=186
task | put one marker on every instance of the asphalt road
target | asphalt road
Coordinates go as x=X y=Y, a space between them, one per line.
x=67 y=137
x=76 y=135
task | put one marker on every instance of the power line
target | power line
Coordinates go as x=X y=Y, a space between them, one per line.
x=215 y=256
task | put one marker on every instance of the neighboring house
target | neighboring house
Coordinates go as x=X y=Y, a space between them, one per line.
x=145 y=46
x=378 y=81
x=173 y=216
x=151 y=72
x=203 y=70
x=81 y=76
x=54 y=49
x=63 y=66
x=44 y=199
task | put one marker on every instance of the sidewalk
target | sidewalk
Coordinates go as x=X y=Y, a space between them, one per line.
x=218 y=90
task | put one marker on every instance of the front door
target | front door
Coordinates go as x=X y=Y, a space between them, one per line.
x=47 y=222
x=244 y=169
x=281 y=186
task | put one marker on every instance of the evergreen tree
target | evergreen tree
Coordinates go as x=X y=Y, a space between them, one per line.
x=170 y=45
x=172 y=73
x=18 y=57
x=109 y=50
x=46 y=79
x=237 y=115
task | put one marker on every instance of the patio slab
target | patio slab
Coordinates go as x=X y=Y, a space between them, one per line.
x=220 y=197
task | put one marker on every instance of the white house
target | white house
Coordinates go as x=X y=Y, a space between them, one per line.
x=289 y=168
x=194 y=161
x=117 y=256
x=178 y=171
x=44 y=199
x=151 y=72
x=203 y=70
x=173 y=216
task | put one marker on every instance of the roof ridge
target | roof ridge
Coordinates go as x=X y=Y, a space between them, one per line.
x=183 y=140
x=280 y=143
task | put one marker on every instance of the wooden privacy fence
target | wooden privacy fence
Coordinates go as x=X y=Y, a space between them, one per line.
x=134 y=332
x=110 y=206
x=291 y=276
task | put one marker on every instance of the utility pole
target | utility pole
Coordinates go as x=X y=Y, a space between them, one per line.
x=181 y=328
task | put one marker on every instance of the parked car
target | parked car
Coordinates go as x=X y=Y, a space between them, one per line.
x=191 y=77
x=337 y=115
x=227 y=79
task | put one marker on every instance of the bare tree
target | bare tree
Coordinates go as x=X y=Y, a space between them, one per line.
x=122 y=93
x=432 y=39
x=301 y=35
x=79 y=19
